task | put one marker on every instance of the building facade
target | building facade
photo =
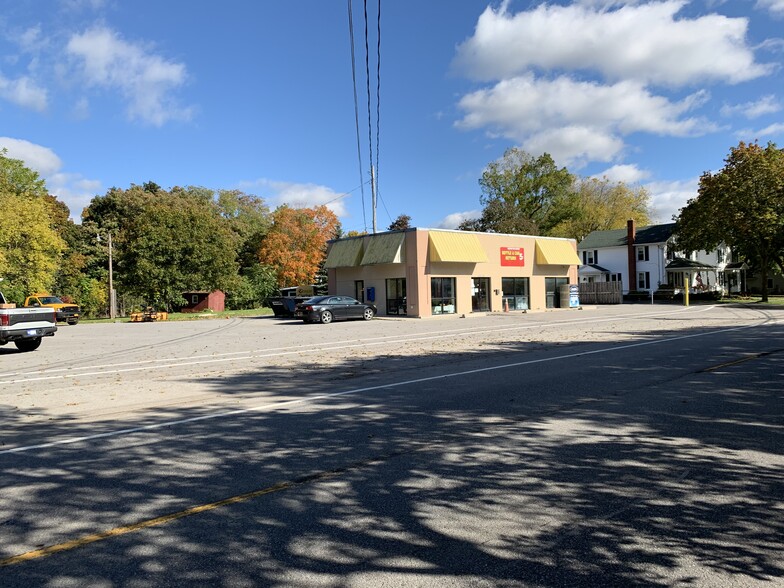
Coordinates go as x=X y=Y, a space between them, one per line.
x=645 y=259
x=432 y=272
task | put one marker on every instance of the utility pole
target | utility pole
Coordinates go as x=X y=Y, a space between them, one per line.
x=373 y=195
x=112 y=297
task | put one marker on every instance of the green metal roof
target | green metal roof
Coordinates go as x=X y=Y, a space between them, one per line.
x=646 y=235
x=385 y=248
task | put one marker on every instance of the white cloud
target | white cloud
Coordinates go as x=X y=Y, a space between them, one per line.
x=452 y=221
x=765 y=105
x=25 y=92
x=73 y=189
x=577 y=120
x=776 y=7
x=298 y=195
x=145 y=80
x=627 y=173
x=36 y=157
x=769 y=132
x=644 y=42
x=667 y=198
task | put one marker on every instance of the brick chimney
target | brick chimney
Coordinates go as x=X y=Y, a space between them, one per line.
x=631 y=251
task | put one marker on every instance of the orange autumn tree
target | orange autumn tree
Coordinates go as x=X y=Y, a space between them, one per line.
x=296 y=243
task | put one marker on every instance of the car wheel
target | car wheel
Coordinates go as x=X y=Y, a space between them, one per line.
x=28 y=344
x=368 y=314
x=326 y=317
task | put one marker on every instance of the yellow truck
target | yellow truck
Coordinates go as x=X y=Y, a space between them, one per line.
x=64 y=311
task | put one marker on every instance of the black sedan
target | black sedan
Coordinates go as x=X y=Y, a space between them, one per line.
x=325 y=309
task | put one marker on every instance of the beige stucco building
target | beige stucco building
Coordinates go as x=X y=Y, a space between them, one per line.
x=427 y=272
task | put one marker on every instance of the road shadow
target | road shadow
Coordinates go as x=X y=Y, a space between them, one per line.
x=645 y=467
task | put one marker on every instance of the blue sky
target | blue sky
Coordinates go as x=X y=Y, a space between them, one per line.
x=258 y=96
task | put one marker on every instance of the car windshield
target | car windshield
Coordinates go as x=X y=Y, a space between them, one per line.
x=50 y=300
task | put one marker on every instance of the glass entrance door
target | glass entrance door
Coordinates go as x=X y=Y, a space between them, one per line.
x=480 y=295
x=359 y=290
x=552 y=287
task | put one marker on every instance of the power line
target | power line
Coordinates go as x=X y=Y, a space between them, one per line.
x=378 y=89
x=370 y=116
x=356 y=110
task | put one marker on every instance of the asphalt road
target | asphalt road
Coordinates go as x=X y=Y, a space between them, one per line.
x=618 y=446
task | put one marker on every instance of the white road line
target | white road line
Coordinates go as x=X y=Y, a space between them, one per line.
x=115 y=368
x=312 y=399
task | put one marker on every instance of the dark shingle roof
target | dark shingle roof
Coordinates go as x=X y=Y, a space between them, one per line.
x=617 y=237
x=687 y=264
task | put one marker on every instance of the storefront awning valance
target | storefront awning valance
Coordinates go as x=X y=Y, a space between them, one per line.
x=345 y=253
x=555 y=252
x=456 y=247
x=386 y=248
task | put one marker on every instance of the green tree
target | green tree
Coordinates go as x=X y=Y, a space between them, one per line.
x=166 y=242
x=30 y=245
x=600 y=205
x=255 y=285
x=742 y=205
x=400 y=223
x=521 y=194
x=250 y=219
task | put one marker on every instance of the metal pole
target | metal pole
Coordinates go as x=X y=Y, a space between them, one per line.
x=112 y=300
x=373 y=193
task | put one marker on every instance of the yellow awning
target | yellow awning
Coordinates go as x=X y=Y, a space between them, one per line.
x=556 y=252
x=455 y=246
x=386 y=248
x=344 y=253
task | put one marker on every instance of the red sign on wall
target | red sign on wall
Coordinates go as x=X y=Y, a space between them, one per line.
x=513 y=256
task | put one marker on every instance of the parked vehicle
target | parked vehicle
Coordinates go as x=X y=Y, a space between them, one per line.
x=325 y=309
x=25 y=327
x=284 y=305
x=65 y=312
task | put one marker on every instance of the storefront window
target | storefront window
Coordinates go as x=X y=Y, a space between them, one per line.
x=396 y=296
x=442 y=295
x=515 y=292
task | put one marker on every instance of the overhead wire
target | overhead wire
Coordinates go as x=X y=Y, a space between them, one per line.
x=356 y=110
x=370 y=111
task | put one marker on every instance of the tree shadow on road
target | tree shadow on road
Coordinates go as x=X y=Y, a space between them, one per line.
x=625 y=476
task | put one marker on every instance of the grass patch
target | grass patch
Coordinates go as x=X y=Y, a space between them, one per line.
x=774 y=300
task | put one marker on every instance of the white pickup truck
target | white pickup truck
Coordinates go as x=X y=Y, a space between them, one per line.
x=25 y=326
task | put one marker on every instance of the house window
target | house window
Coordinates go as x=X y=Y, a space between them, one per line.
x=195 y=299
x=670 y=253
x=643 y=280
x=515 y=292
x=720 y=255
x=442 y=295
x=396 y=296
x=643 y=253
x=615 y=278
x=590 y=257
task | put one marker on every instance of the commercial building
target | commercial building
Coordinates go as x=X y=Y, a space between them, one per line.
x=427 y=272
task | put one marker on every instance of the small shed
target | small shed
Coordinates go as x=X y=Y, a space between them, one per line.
x=199 y=301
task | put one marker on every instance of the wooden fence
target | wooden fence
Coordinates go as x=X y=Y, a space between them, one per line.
x=601 y=293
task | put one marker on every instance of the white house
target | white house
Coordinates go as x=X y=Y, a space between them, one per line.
x=644 y=259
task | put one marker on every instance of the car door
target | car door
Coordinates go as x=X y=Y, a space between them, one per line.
x=336 y=306
x=354 y=308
